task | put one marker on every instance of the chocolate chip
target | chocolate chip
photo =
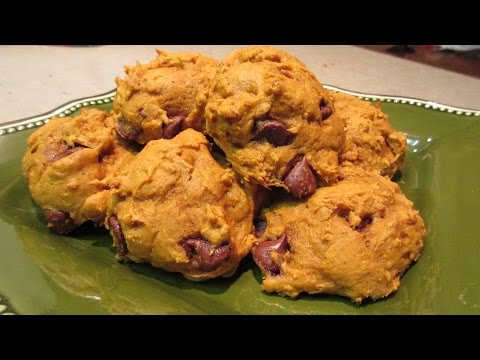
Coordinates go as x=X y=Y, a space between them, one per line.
x=343 y=212
x=325 y=109
x=174 y=127
x=262 y=253
x=274 y=131
x=300 y=180
x=366 y=220
x=114 y=225
x=263 y=198
x=59 y=221
x=260 y=226
x=203 y=255
x=292 y=163
x=127 y=130
x=55 y=153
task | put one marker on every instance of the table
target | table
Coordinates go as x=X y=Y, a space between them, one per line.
x=36 y=79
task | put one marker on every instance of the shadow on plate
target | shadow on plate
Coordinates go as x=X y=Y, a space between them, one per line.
x=213 y=286
x=83 y=266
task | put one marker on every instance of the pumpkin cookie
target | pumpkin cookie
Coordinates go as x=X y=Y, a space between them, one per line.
x=276 y=125
x=263 y=53
x=371 y=141
x=69 y=164
x=155 y=100
x=175 y=207
x=355 y=239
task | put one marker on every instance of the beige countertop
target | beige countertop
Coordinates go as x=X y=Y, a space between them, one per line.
x=36 y=79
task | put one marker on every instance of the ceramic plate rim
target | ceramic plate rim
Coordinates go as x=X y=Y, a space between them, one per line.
x=73 y=105
x=108 y=97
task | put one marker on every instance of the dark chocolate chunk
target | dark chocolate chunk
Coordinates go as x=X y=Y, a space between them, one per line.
x=300 y=180
x=274 y=131
x=119 y=237
x=59 y=221
x=203 y=255
x=262 y=253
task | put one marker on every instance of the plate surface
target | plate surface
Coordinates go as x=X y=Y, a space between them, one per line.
x=42 y=273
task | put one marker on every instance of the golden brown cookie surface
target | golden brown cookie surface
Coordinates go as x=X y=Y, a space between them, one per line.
x=177 y=208
x=371 y=142
x=268 y=118
x=155 y=100
x=68 y=165
x=264 y=53
x=355 y=239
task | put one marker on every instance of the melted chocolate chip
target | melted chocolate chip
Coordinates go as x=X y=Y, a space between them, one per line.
x=366 y=220
x=114 y=225
x=203 y=255
x=343 y=212
x=300 y=180
x=59 y=221
x=274 y=131
x=262 y=253
x=325 y=109
x=127 y=130
x=55 y=153
x=172 y=129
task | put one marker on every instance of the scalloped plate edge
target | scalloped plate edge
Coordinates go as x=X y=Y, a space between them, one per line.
x=61 y=111
x=68 y=108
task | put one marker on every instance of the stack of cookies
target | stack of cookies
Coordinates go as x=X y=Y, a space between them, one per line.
x=201 y=163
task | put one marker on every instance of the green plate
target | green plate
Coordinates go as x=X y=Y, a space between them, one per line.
x=42 y=273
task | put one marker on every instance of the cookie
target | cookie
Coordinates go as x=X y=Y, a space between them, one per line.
x=156 y=100
x=371 y=141
x=175 y=207
x=355 y=239
x=276 y=125
x=69 y=164
x=263 y=53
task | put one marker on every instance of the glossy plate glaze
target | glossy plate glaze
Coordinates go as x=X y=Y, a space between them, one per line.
x=42 y=273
